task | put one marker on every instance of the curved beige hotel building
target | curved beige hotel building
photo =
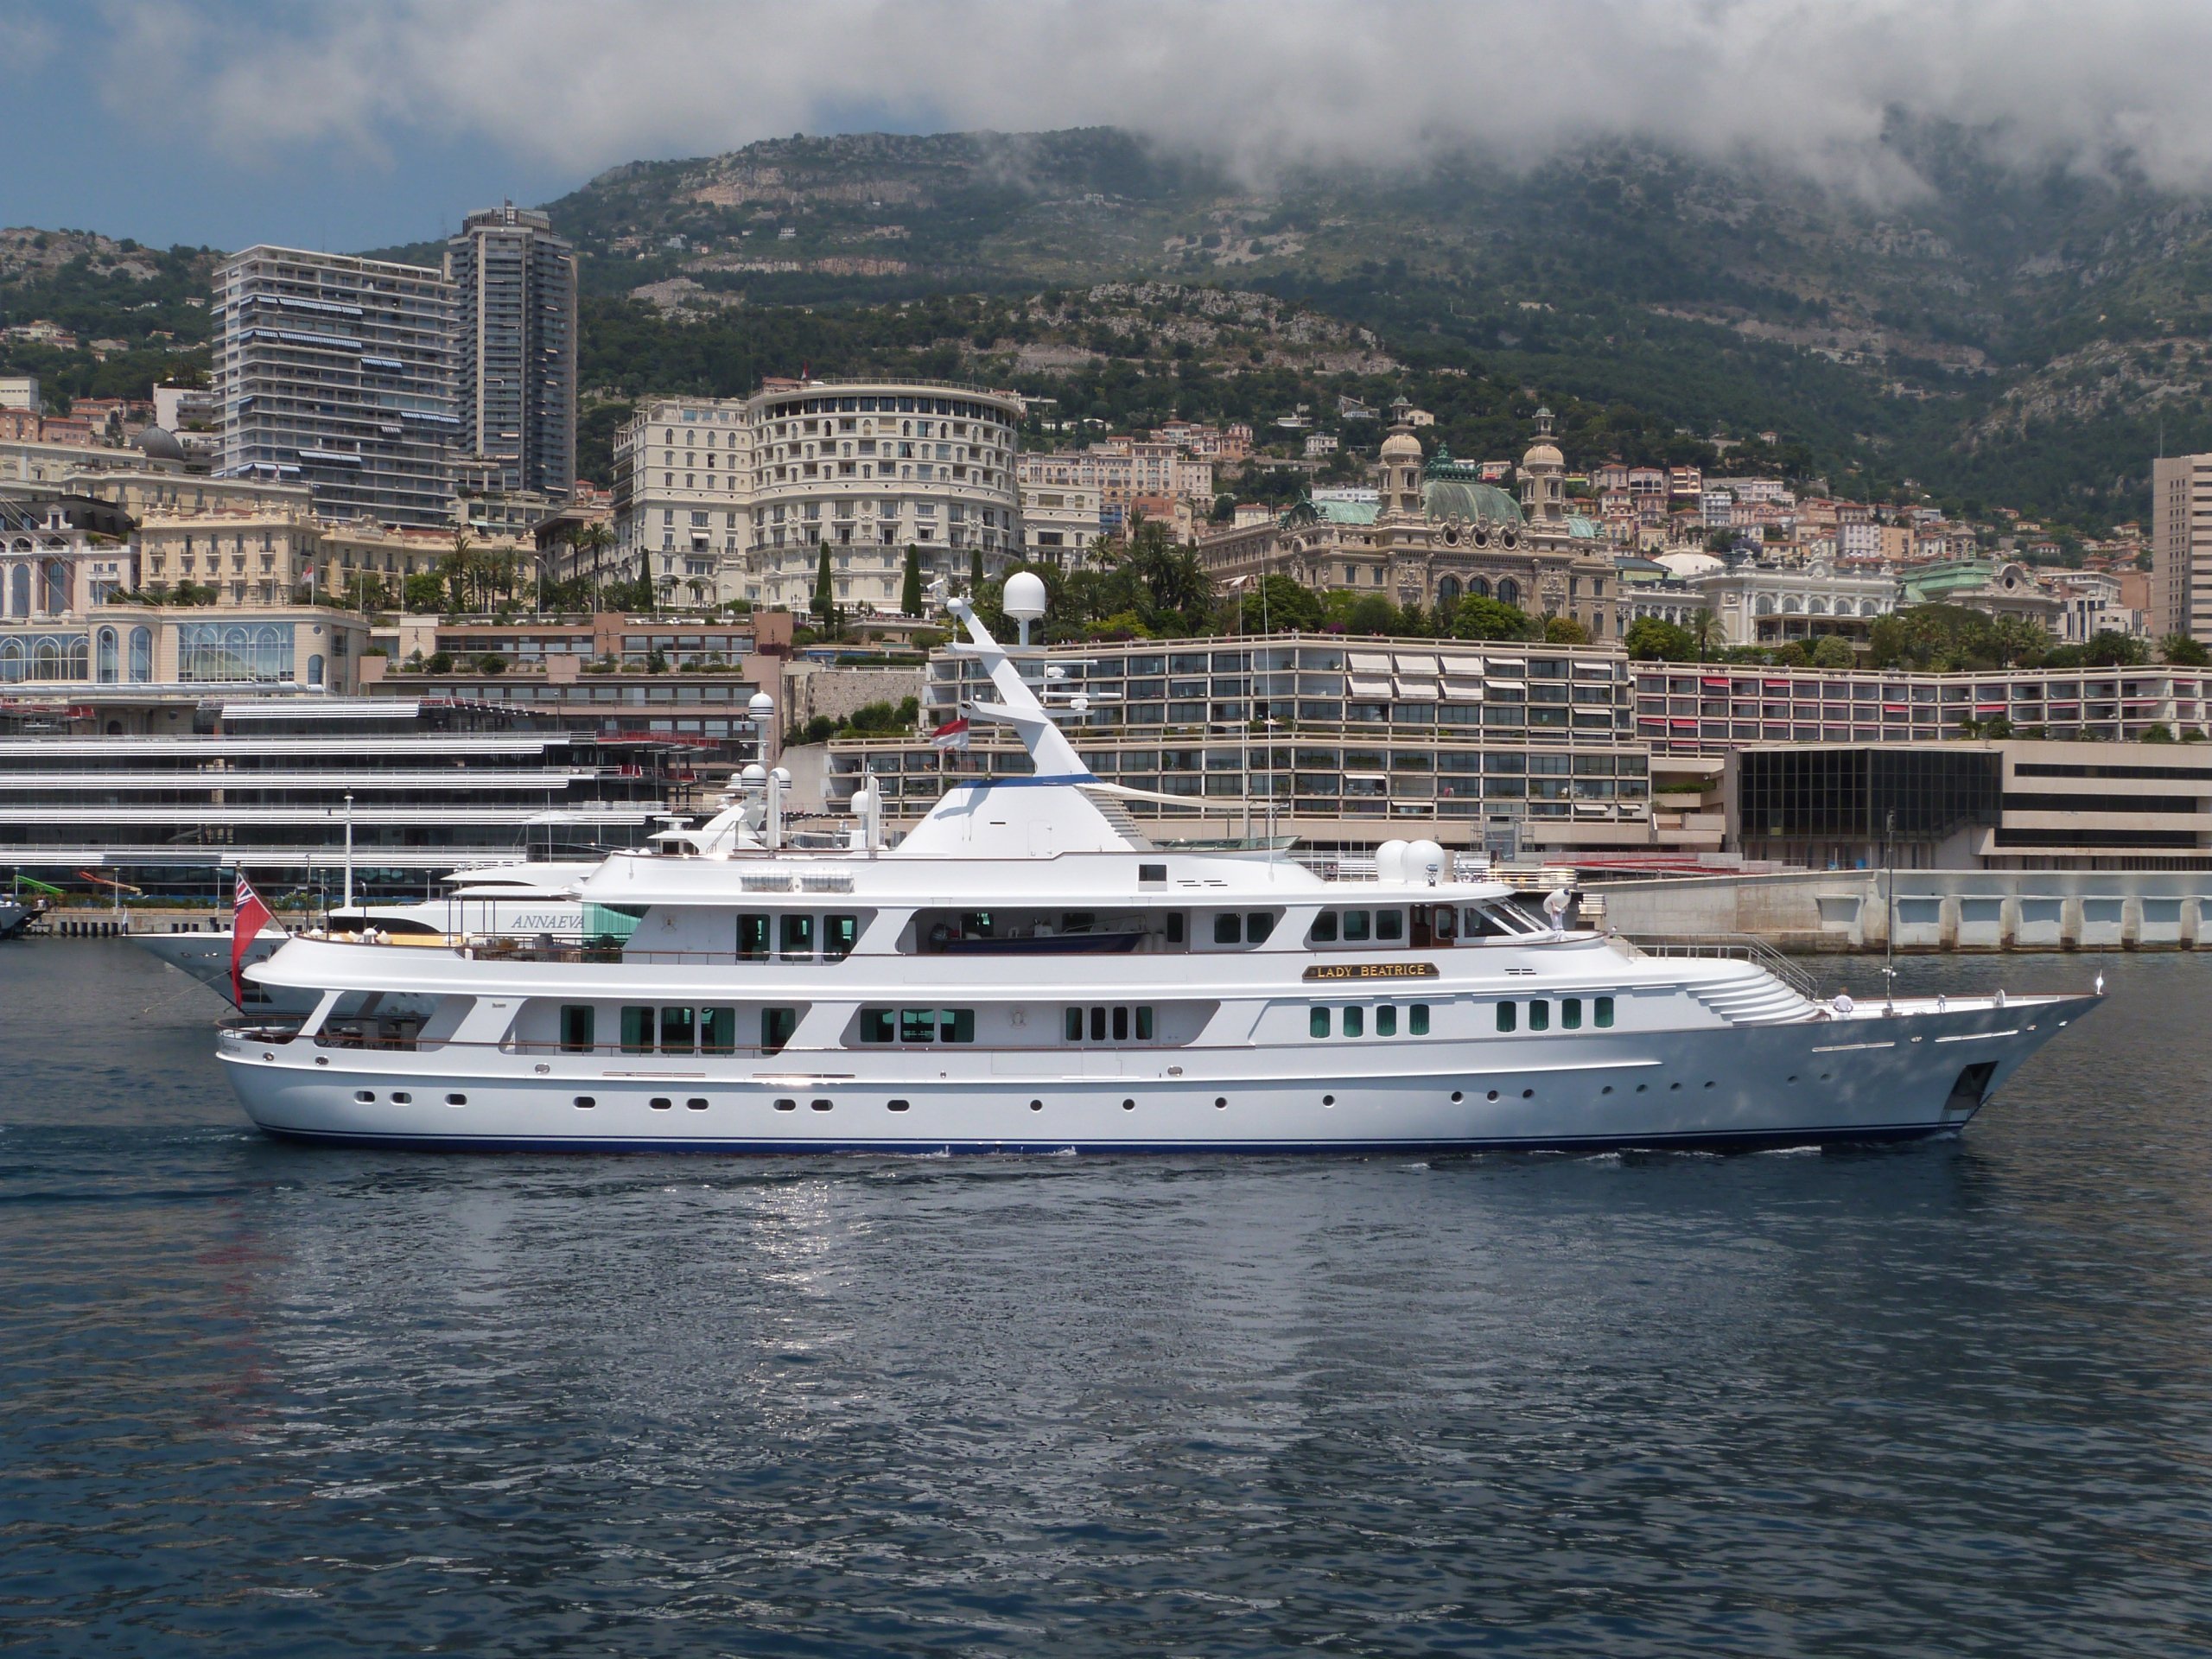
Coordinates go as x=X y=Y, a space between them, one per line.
x=725 y=498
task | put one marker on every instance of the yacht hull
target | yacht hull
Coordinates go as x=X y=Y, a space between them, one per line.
x=1921 y=1073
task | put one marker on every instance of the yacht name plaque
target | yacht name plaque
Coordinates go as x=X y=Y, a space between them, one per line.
x=1372 y=970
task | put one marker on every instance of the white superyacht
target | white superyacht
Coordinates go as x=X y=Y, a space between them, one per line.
x=1024 y=973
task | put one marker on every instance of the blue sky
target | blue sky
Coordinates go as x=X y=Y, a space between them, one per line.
x=354 y=123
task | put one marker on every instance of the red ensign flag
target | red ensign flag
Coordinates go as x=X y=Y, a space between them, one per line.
x=248 y=917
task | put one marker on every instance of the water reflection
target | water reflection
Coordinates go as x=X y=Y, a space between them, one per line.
x=1900 y=1399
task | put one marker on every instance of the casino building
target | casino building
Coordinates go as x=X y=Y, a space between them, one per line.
x=1438 y=532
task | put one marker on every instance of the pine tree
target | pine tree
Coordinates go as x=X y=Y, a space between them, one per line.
x=910 y=594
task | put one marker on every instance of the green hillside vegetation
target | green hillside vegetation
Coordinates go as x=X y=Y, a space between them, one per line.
x=99 y=288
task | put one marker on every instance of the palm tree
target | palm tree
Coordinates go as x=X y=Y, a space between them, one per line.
x=1707 y=634
x=457 y=567
x=595 y=538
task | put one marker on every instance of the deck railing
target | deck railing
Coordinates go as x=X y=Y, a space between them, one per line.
x=1741 y=947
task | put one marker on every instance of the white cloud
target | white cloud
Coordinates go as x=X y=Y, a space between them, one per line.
x=582 y=84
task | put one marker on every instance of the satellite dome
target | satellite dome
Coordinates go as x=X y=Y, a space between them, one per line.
x=1025 y=596
x=159 y=443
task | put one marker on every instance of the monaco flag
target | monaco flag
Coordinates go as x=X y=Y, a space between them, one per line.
x=248 y=917
x=953 y=734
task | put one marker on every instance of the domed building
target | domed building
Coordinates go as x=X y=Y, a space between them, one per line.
x=1436 y=531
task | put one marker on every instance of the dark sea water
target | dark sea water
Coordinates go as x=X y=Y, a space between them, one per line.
x=1946 y=1399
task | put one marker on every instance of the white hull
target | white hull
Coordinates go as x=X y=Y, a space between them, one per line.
x=1864 y=1078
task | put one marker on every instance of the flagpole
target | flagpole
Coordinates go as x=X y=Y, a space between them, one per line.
x=348 y=904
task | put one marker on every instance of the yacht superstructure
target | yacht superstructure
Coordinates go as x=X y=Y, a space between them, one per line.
x=1024 y=973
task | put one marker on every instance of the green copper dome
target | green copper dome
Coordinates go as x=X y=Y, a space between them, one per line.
x=1452 y=489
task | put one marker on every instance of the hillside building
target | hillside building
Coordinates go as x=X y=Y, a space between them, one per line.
x=515 y=383
x=719 y=500
x=338 y=372
x=2181 y=546
x=1437 y=533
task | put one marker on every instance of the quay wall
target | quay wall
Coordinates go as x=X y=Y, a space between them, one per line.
x=1934 y=910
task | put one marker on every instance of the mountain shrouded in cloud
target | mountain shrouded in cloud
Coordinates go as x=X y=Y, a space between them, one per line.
x=576 y=86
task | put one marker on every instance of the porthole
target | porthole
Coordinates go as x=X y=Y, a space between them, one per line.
x=787 y=1105
x=585 y=1103
x=696 y=1104
x=1221 y=1103
x=1674 y=1088
x=1493 y=1095
x=1607 y=1089
x=401 y=1098
x=456 y=1100
x=660 y=1102
x=1457 y=1096
x=1793 y=1077
x=818 y=1105
x=1128 y=1105
x=1036 y=1105
x=894 y=1105
x=1528 y=1094
x=1641 y=1087
x=364 y=1096
x=1328 y=1100
x=1708 y=1083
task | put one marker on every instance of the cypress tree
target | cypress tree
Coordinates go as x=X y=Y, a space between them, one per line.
x=910 y=594
x=823 y=591
x=974 y=570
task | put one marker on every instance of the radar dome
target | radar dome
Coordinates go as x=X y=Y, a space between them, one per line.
x=1024 y=598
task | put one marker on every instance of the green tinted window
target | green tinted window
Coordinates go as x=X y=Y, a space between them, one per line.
x=676 y=1031
x=1389 y=924
x=1355 y=926
x=718 y=1030
x=1417 y=1020
x=838 y=935
x=1507 y=1016
x=917 y=1025
x=1317 y=1022
x=1144 y=1024
x=878 y=1025
x=1325 y=928
x=956 y=1025
x=1355 y=1022
x=577 y=1024
x=637 y=1030
x=1603 y=1011
x=1570 y=1013
x=1540 y=1016
x=753 y=938
x=1386 y=1021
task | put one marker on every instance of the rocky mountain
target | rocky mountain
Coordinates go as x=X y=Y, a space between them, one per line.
x=2023 y=335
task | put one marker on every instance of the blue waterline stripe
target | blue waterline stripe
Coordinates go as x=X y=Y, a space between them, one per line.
x=1745 y=1141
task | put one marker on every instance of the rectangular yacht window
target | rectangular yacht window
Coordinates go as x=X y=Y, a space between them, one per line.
x=1570 y=1013
x=1075 y=1025
x=798 y=937
x=718 y=1030
x=1506 y=1016
x=1355 y=1022
x=753 y=938
x=1317 y=1022
x=1540 y=1016
x=577 y=1020
x=1604 y=1012
x=637 y=1030
x=677 y=1032
x=1386 y=1021
x=1258 y=925
x=917 y=1025
x=1417 y=1020
x=1228 y=928
x=839 y=934
x=879 y=1025
x=777 y=1026
x=1356 y=926
x=1144 y=1024
x=1325 y=928
x=1389 y=925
